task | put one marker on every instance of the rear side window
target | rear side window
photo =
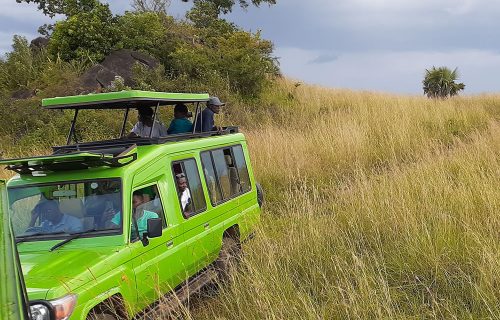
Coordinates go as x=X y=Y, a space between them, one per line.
x=228 y=168
x=241 y=166
x=210 y=177
x=189 y=189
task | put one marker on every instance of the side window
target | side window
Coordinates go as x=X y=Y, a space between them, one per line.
x=189 y=189
x=146 y=204
x=241 y=166
x=210 y=177
x=226 y=172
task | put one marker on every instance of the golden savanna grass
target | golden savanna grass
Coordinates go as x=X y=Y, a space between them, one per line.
x=377 y=207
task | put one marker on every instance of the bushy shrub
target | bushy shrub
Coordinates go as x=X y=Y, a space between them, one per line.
x=144 y=31
x=89 y=34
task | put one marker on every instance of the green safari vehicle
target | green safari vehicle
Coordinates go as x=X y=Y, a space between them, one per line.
x=104 y=229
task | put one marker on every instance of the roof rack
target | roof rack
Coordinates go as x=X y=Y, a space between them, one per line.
x=115 y=146
x=70 y=161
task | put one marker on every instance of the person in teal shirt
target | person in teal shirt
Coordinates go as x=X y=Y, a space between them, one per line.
x=180 y=123
x=140 y=215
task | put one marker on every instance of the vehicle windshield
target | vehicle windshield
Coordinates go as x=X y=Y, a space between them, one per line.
x=65 y=208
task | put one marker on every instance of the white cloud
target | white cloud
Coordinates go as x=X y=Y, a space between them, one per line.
x=391 y=71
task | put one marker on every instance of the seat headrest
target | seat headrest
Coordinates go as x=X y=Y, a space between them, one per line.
x=73 y=207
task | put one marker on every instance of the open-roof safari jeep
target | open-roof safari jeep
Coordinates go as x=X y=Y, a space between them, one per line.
x=106 y=228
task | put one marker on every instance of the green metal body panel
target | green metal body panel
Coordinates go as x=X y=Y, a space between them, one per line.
x=98 y=267
x=12 y=304
x=123 y=98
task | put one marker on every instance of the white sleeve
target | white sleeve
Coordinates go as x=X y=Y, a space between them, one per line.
x=136 y=129
x=162 y=129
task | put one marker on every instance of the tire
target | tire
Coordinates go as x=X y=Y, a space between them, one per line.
x=101 y=316
x=260 y=194
x=229 y=258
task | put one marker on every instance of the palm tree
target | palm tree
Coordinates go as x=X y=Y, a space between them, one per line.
x=440 y=83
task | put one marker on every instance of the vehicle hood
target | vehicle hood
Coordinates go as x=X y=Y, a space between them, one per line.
x=67 y=269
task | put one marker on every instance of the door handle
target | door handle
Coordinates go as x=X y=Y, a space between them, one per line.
x=170 y=244
x=207 y=225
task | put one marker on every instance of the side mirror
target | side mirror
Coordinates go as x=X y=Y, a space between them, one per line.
x=154 y=230
x=41 y=309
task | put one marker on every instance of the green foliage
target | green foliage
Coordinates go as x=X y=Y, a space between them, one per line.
x=65 y=7
x=226 y=6
x=440 y=83
x=20 y=67
x=224 y=53
x=34 y=70
x=159 y=6
x=87 y=34
x=145 y=31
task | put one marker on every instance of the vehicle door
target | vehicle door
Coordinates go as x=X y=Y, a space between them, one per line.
x=158 y=261
x=224 y=187
x=192 y=205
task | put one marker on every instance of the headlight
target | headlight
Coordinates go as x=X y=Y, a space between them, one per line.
x=39 y=312
x=63 y=307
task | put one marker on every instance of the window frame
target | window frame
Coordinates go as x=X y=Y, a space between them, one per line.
x=181 y=162
x=164 y=219
x=217 y=175
x=96 y=234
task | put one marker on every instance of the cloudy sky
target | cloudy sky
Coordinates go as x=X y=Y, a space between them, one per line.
x=382 y=45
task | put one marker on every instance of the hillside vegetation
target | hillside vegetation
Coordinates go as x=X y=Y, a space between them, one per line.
x=378 y=206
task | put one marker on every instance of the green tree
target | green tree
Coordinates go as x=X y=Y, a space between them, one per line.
x=65 y=7
x=440 y=83
x=225 y=6
x=85 y=35
x=70 y=7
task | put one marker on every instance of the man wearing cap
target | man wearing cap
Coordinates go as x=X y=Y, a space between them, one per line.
x=205 y=120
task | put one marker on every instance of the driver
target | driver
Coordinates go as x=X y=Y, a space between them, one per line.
x=52 y=219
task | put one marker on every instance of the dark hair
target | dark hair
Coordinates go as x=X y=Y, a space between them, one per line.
x=180 y=107
x=138 y=193
x=145 y=111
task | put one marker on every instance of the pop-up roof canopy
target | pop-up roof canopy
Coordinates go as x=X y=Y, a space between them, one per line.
x=123 y=100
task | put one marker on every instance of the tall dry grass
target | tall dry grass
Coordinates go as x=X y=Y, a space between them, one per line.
x=378 y=207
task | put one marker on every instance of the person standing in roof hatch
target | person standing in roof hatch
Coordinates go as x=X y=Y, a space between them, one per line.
x=180 y=123
x=144 y=127
x=205 y=121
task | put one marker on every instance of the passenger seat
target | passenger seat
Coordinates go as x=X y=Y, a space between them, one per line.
x=74 y=207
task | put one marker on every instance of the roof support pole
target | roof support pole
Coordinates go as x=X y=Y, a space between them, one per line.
x=122 y=132
x=72 y=129
x=154 y=119
x=196 y=116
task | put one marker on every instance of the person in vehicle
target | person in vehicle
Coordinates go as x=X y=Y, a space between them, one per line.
x=52 y=219
x=180 y=123
x=140 y=215
x=184 y=193
x=151 y=200
x=144 y=127
x=104 y=200
x=205 y=121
